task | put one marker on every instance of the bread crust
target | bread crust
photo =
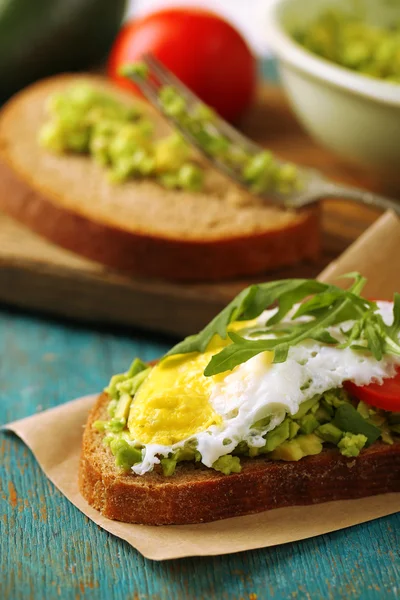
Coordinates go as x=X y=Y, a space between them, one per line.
x=149 y=255
x=195 y=494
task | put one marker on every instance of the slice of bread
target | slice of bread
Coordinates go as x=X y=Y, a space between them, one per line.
x=138 y=226
x=195 y=494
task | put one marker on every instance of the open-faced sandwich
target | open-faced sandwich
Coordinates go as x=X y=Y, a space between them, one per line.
x=91 y=170
x=290 y=396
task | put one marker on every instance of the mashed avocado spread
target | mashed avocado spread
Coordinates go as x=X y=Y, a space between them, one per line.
x=121 y=138
x=333 y=419
x=345 y=39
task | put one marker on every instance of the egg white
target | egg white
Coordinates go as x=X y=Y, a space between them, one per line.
x=258 y=389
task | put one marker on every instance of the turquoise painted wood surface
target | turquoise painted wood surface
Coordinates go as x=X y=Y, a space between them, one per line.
x=48 y=549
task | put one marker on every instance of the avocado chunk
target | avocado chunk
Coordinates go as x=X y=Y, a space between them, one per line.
x=227 y=464
x=329 y=433
x=115 y=424
x=275 y=437
x=310 y=444
x=308 y=423
x=168 y=466
x=363 y=409
x=130 y=386
x=293 y=450
x=170 y=153
x=122 y=410
x=241 y=449
x=136 y=367
x=99 y=425
x=305 y=407
x=112 y=389
x=293 y=428
x=336 y=397
x=125 y=454
x=348 y=419
x=184 y=454
x=322 y=415
x=351 y=444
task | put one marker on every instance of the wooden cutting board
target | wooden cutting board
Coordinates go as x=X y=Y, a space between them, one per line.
x=37 y=275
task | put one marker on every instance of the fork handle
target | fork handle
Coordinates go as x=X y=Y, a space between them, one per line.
x=334 y=190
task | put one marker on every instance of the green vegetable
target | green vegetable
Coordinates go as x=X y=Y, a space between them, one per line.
x=335 y=398
x=112 y=406
x=329 y=433
x=99 y=425
x=122 y=410
x=343 y=38
x=126 y=383
x=227 y=464
x=293 y=429
x=351 y=444
x=116 y=424
x=328 y=305
x=190 y=177
x=261 y=171
x=305 y=407
x=168 y=466
x=363 y=409
x=322 y=415
x=348 y=419
x=170 y=153
x=132 y=384
x=293 y=450
x=125 y=454
x=276 y=437
x=87 y=121
x=139 y=69
x=308 y=423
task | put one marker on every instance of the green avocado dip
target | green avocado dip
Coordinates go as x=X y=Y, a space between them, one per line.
x=330 y=420
x=85 y=120
x=345 y=39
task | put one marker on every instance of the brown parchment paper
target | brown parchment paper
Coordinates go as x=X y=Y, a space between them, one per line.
x=54 y=436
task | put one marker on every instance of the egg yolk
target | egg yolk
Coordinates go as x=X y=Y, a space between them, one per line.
x=173 y=402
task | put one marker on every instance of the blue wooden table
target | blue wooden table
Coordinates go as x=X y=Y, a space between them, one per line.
x=50 y=550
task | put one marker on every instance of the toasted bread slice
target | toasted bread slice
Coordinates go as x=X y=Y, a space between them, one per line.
x=195 y=494
x=138 y=226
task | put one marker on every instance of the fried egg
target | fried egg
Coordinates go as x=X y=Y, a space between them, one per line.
x=177 y=404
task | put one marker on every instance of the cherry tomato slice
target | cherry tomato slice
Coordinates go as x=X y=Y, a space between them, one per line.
x=386 y=396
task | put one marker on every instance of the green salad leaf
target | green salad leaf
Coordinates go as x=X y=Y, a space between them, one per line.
x=323 y=306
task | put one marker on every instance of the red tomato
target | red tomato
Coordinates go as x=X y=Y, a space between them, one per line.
x=386 y=396
x=202 y=49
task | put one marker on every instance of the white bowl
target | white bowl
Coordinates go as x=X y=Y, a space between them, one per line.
x=356 y=116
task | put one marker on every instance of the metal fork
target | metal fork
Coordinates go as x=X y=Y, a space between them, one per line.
x=313 y=185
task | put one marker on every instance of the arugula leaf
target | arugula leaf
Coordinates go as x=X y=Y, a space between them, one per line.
x=293 y=294
x=322 y=304
x=233 y=355
x=249 y=304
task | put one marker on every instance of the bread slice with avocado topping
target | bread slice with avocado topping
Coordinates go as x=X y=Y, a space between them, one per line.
x=138 y=226
x=197 y=494
x=263 y=408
